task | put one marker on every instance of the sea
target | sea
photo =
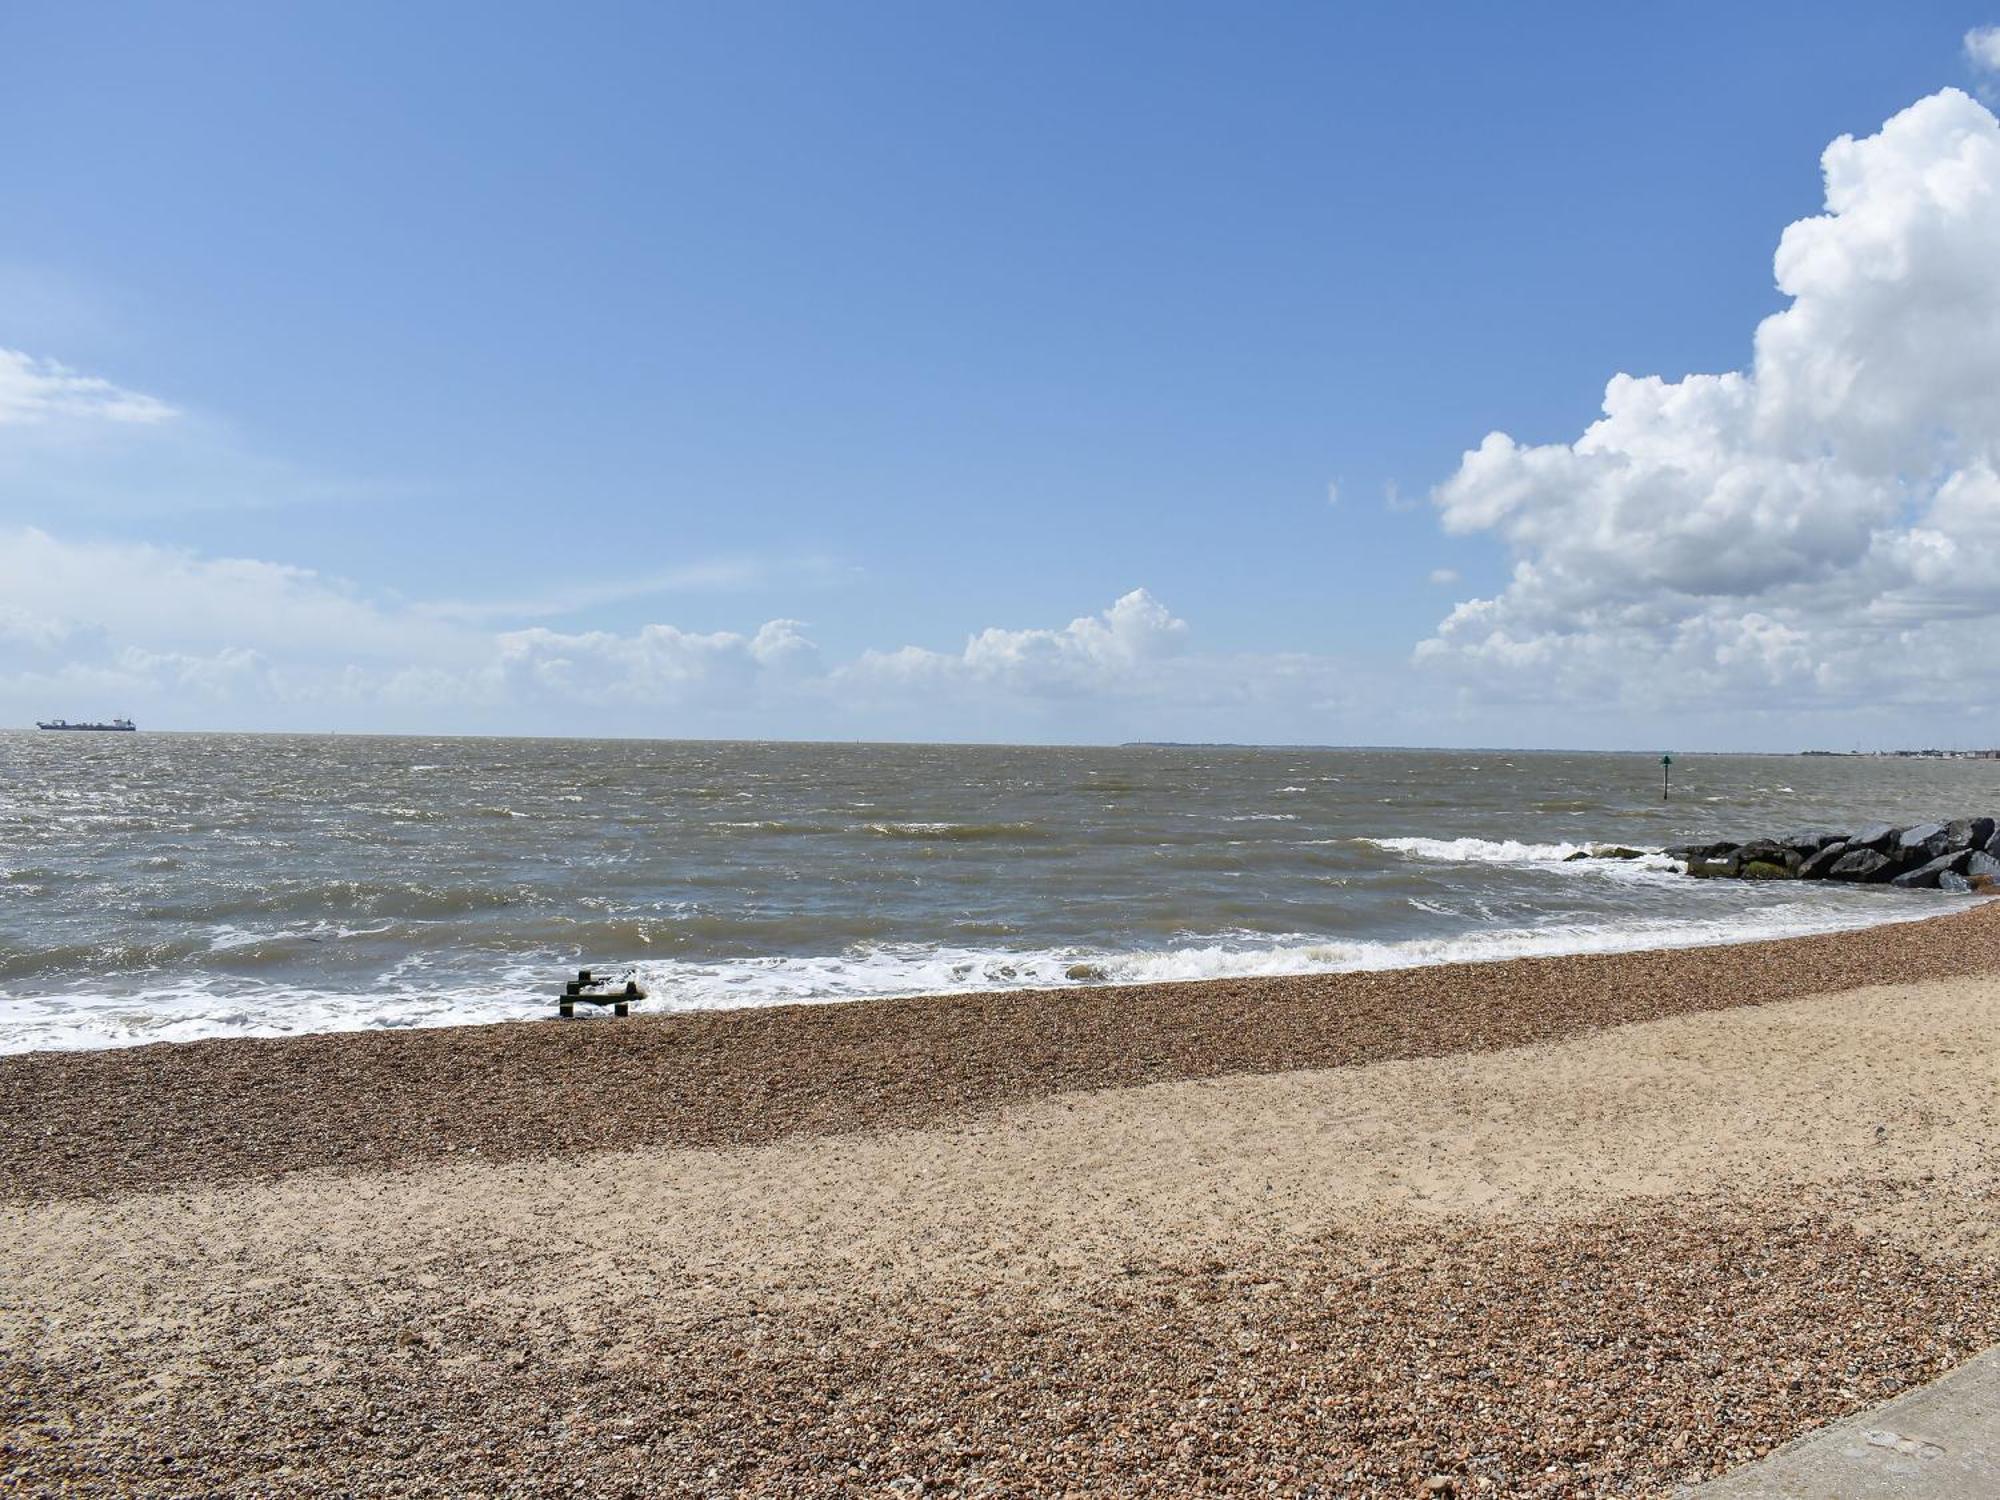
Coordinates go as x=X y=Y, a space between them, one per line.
x=165 y=887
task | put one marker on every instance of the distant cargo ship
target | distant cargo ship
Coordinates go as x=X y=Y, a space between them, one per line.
x=65 y=724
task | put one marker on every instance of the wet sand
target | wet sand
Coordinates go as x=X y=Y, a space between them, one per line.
x=1574 y=1226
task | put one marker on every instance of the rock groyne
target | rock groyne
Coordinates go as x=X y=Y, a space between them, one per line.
x=1960 y=855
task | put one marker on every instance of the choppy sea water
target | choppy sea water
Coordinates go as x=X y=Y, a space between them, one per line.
x=163 y=887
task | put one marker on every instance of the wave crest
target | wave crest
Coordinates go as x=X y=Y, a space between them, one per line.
x=956 y=832
x=1469 y=851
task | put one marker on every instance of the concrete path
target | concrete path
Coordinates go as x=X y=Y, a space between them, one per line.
x=1938 y=1442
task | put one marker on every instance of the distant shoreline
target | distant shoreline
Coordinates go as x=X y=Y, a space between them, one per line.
x=1275 y=746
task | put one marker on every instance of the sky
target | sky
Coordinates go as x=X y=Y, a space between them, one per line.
x=1552 y=375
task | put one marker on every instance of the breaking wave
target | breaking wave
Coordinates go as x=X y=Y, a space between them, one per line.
x=955 y=833
x=410 y=997
x=1469 y=851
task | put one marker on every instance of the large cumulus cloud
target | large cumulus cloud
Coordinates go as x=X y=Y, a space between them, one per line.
x=1817 y=529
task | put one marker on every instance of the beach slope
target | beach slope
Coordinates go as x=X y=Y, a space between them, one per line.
x=1570 y=1226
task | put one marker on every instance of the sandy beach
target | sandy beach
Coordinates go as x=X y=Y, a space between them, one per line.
x=1599 y=1225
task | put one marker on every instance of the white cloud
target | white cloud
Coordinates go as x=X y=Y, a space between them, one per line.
x=1444 y=577
x=75 y=444
x=22 y=630
x=658 y=664
x=1982 y=48
x=40 y=390
x=170 y=599
x=90 y=626
x=103 y=627
x=1333 y=492
x=1810 y=530
x=1110 y=651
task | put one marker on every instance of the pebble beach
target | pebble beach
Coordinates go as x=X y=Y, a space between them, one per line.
x=931 y=753
x=1569 y=1226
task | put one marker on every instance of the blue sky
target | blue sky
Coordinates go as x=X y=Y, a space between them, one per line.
x=901 y=322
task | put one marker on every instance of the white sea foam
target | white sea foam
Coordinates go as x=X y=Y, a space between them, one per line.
x=408 y=997
x=222 y=939
x=1509 y=852
x=194 y=1009
x=1478 y=851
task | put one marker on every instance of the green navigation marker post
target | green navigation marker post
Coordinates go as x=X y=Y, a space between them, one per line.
x=1666 y=770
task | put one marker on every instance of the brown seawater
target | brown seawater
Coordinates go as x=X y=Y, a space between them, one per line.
x=169 y=886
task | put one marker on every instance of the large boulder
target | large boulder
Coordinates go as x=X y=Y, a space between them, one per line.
x=1913 y=845
x=1689 y=853
x=1722 y=867
x=1925 y=876
x=1767 y=869
x=1862 y=865
x=1956 y=837
x=1770 y=851
x=1967 y=850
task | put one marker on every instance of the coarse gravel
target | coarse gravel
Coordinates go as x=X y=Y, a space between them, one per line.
x=1644 y=1348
